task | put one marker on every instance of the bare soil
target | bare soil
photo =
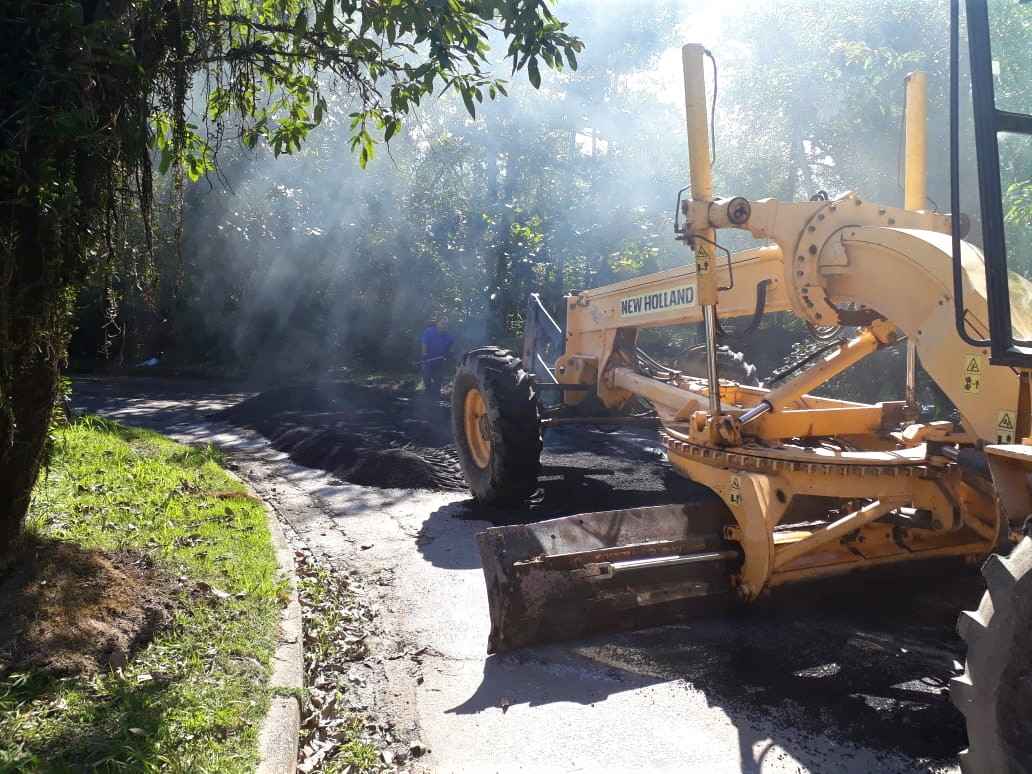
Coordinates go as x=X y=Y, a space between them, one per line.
x=69 y=610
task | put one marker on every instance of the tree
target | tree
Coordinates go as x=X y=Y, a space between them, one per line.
x=310 y=260
x=90 y=89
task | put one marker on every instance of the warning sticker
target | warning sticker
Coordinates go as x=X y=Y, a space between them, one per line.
x=1006 y=421
x=736 y=491
x=974 y=367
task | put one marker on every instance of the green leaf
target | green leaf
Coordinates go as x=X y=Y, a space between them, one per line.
x=571 y=58
x=468 y=99
x=534 y=73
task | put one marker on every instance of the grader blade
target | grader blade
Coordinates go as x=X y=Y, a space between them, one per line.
x=606 y=571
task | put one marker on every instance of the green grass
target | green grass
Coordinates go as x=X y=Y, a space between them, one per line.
x=192 y=700
x=353 y=756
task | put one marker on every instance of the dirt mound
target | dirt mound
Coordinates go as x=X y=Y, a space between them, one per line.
x=372 y=436
x=403 y=469
x=70 y=610
x=370 y=459
x=326 y=449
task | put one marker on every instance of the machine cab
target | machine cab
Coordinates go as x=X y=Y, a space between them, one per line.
x=991 y=113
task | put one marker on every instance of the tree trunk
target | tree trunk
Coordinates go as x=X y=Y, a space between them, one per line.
x=23 y=435
x=35 y=305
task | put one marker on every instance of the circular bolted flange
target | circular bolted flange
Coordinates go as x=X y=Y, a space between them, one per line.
x=821 y=239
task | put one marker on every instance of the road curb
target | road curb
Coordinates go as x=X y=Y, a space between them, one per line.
x=280 y=730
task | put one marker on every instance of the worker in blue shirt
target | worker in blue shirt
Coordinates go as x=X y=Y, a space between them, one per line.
x=437 y=344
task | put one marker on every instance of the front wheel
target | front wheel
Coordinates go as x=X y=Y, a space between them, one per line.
x=995 y=691
x=497 y=426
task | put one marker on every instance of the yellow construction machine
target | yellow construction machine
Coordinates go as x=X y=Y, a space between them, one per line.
x=802 y=487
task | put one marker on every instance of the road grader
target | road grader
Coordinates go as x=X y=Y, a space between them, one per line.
x=800 y=486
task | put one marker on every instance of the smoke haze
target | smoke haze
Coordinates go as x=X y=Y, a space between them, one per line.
x=308 y=262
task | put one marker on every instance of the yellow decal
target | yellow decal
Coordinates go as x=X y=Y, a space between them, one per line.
x=1005 y=424
x=736 y=491
x=974 y=367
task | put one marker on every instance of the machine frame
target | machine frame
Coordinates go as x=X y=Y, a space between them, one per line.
x=802 y=486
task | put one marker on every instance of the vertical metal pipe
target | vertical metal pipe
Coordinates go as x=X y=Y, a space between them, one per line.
x=712 y=376
x=915 y=189
x=915 y=175
x=911 y=390
x=692 y=60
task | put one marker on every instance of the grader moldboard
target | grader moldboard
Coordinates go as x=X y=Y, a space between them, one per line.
x=803 y=487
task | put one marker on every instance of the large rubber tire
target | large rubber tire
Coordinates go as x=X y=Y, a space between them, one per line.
x=508 y=474
x=995 y=691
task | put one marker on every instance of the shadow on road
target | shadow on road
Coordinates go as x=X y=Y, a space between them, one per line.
x=164 y=404
x=445 y=543
x=865 y=661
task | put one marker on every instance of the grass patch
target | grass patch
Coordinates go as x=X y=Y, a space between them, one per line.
x=191 y=700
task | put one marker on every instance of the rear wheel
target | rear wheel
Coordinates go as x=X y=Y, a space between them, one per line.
x=497 y=426
x=995 y=691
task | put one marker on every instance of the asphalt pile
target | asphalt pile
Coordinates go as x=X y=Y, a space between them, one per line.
x=392 y=438
x=373 y=436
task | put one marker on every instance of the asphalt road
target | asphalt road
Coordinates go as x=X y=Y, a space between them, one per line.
x=844 y=677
